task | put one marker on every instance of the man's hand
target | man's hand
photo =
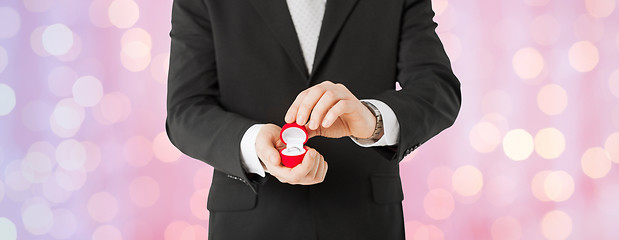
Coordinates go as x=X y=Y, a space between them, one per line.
x=311 y=171
x=331 y=110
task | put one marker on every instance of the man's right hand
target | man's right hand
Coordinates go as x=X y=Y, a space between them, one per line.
x=311 y=171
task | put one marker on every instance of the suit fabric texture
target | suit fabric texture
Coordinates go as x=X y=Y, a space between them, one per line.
x=235 y=63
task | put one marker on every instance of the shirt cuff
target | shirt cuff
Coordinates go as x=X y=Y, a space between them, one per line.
x=391 y=127
x=249 y=157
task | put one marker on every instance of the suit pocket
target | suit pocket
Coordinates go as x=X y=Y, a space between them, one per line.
x=387 y=189
x=227 y=194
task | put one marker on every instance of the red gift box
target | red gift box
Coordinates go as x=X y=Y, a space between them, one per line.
x=294 y=136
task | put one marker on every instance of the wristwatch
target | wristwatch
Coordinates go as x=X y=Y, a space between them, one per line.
x=379 y=120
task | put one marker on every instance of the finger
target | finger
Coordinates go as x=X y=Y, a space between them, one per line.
x=308 y=103
x=322 y=171
x=341 y=107
x=327 y=100
x=281 y=173
x=315 y=167
x=302 y=170
x=291 y=114
x=271 y=155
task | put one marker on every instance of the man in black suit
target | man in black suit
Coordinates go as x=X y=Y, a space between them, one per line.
x=240 y=69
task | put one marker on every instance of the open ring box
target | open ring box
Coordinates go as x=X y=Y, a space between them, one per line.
x=294 y=136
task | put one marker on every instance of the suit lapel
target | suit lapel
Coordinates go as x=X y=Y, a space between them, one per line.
x=275 y=13
x=336 y=13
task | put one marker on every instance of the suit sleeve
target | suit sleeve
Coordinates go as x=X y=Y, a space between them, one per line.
x=430 y=99
x=196 y=122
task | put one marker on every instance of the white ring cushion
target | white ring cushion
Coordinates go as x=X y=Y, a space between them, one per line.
x=294 y=139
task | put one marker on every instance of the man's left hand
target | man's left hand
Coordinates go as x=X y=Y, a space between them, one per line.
x=331 y=110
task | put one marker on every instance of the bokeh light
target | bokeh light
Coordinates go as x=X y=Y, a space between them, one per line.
x=484 y=137
x=428 y=232
x=518 y=144
x=600 y=8
x=194 y=232
x=38 y=218
x=528 y=63
x=75 y=50
x=556 y=225
x=71 y=155
x=65 y=224
x=70 y=180
x=4 y=59
x=583 y=56
x=174 y=230
x=438 y=204
x=439 y=6
x=612 y=147
x=87 y=91
x=36 y=41
x=123 y=13
x=36 y=167
x=159 y=68
x=552 y=99
x=7 y=99
x=8 y=230
x=107 y=232
x=10 y=22
x=53 y=192
x=57 y=39
x=538 y=185
x=558 y=186
x=467 y=180
x=595 y=162
x=589 y=28
x=164 y=150
x=67 y=118
x=14 y=179
x=549 y=143
x=102 y=207
x=135 y=56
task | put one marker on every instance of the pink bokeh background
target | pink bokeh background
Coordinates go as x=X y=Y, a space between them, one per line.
x=533 y=155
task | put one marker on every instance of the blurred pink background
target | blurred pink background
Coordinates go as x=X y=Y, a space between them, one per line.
x=533 y=155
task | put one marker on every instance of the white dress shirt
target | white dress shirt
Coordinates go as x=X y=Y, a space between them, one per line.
x=307 y=17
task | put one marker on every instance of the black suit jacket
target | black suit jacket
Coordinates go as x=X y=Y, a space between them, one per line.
x=234 y=63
